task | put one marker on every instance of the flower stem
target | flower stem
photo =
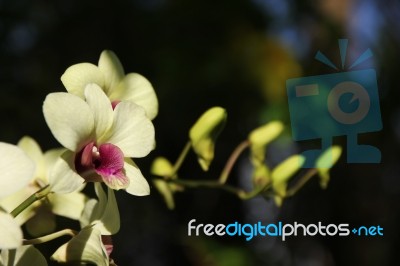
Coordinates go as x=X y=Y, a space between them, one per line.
x=40 y=194
x=232 y=160
x=303 y=180
x=181 y=157
x=240 y=193
x=47 y=238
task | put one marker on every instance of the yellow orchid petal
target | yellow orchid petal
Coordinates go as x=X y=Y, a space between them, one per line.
x=33 y=150
x=132 y=131
x=136 y=88
x=10 y=232
x=112 y=70
x=76 y=77
x=68 y=205
x=16 y=167
x=63 y=179
x=86 y=246
x=138 y=185
x=25 y=255
x=103 y=213
x=101 y=109
x=69 y=118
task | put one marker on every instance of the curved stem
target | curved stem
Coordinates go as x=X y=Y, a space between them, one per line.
x=303 y=180
x=181 y=157
x=232 y=160
x=50 y=237
x=240 y=193
x=40 y=194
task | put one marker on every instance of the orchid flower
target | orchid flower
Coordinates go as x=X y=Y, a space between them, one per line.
x=99 y=140
x=16 y=171
x=110 y=77
x=40 y=215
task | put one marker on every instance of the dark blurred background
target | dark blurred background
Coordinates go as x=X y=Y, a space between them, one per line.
x=235 y=54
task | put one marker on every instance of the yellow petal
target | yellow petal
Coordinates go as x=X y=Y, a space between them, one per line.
x=10 y=232
x=33 y=150
x=17 y=169
x=101 y=109
x=132 y=131
x=136 y=88
x=69 y=118
x=102 y=214
x=63 y=178
x=112 y=70
x=138 y=185
x=76 y=77
x=86 y=246
x=68 y=205
x=25 y=255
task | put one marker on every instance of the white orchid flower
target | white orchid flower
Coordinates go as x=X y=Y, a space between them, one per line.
x=99 y=140
x=109 y=75
x=40 y=215
x=16 y=171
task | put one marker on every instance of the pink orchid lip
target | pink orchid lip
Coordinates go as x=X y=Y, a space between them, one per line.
x=115 y=103
x=108 y=244
x=104 y=163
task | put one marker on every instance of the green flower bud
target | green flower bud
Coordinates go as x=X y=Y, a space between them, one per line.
x=327 y=159
x=282 y=173
x=260 y=137
x=204 y=133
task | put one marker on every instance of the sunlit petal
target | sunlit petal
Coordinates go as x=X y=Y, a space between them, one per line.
x=69 y=118
x=112 y=70
x=101 y=109
x=86 y=246
x=138 y=185
x=10 y=232
x=136 y=88
x=76 y=77
x=16 y=168
x=68 y=205
x=63 y=179
x=133 y=132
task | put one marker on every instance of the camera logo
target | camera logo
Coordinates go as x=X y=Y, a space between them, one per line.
x=339 y=104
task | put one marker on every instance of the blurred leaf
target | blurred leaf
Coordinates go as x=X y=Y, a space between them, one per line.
x=204 y=133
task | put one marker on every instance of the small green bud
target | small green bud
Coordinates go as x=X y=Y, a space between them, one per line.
x=204 y=133
x=162 y=167
x=327 y=159
x=260 y=137
x=282 y=173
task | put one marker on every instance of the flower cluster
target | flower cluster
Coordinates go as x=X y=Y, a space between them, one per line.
x=102 y=122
